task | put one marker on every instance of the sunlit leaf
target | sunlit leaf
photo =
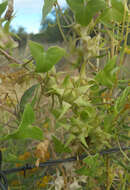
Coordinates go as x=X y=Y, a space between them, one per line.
x=81 y=102
x=50 y=58
x=83 y=140
x=85 y=10
x=30 y=132
x=57 y=90
x=45 y=60
x=67 y=83
x=35 y=49
x=83 y=89
x=111 y=15
x=118 y=4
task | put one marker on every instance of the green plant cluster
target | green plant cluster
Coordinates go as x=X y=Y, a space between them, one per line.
x=86 y=110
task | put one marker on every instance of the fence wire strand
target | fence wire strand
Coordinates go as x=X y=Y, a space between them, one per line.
x=3 y=173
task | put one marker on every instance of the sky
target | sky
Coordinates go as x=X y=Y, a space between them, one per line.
x=29 y=14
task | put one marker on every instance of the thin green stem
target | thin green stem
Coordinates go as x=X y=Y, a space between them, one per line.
x=107 y=173
x=123 y=26
x=62 y=13
x=127 y=32
x=59 y=25
x=122 y=150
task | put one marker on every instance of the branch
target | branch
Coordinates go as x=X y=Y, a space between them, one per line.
x=9 y=57
x=8 y=110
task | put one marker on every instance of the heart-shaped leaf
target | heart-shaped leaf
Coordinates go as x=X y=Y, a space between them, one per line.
x=59 y=146
x=25 y=129
x=85 y=10
x=45 y=60
x=111 y=15
x=118 y=4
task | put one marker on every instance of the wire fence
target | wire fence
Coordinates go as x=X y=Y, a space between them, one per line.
x=3 y=173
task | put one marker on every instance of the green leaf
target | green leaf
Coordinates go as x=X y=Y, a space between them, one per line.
x=118 y=4
x=67 y=83
x=92 y=161
x=92 y=164
x=6 y=26
x=84 y=115
x=28 y=117
x=85 y=10
x=35 y=49
x=125 y=137
x=28 y=94
x=126 y=127
x=83 y=171
x=88 y=113
x=3 y=6
x=110 y=65
x=83 y=140
x=81 y=102
x=11 y=158
x=122 y=164
x=56 y=113
x=107 y=76
x=59 y=146
x=111 y=15
x=48 y=5
x=50 y=58
x=29 y=132
x=57 y=90
x=64 y=109
x=84 y=89
x=108 y=120
x=121 y=101
x=70 y=139
x=34 y=100
x=25 y=129
x=45 y=60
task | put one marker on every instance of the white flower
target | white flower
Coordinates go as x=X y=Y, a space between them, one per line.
x=59 y=183
x=83 y=178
